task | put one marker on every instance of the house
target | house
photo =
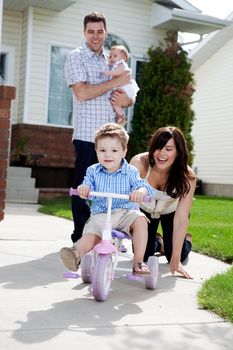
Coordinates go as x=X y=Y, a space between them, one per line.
x=36 y=37
x=213 y=107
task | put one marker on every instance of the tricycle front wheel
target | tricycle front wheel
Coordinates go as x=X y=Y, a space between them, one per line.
x=153 y=264
x=102 y=276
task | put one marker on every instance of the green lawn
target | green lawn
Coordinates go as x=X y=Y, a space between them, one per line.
x=216 y=295
x=59 y=207
x=211 y=223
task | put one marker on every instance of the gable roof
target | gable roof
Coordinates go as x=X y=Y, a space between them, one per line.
x=180 y=4
x=212 y=43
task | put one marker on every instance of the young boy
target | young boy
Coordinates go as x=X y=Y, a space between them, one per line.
x=118 y=58
x=112 y=174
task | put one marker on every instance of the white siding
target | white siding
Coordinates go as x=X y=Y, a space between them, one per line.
x=23 y=67
x=11 y=36
x=128 y=19
x=213 y=127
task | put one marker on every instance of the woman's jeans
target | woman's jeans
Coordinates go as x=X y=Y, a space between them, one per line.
x=167 y=228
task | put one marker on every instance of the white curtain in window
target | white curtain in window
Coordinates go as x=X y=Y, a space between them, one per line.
x=60 y=96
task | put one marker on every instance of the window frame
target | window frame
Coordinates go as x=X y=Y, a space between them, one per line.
x=9 y=52
x=130 y=111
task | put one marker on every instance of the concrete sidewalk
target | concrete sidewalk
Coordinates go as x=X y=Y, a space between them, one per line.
x=42 y=310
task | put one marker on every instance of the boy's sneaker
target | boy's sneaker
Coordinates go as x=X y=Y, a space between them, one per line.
x=70 y=259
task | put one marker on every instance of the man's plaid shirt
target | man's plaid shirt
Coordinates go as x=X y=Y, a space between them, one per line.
x=83 y=65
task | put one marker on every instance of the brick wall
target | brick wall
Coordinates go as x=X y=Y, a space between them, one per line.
x=7 y=93
x=53 y=142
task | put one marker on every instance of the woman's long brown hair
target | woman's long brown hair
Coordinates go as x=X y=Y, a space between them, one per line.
x=178 y=179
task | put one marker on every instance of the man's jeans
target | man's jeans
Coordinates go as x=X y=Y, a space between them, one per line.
x=85 y=156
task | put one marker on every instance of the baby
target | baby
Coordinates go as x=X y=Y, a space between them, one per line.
x=118 y=58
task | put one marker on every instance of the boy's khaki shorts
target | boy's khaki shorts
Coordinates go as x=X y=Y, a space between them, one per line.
x=121 y=220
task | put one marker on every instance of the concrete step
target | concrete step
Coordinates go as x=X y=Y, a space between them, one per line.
x=20 y=186
x=23 y=182
x=18 y=171
x=22 y=195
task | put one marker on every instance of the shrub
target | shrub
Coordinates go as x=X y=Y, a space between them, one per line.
x=165 y=97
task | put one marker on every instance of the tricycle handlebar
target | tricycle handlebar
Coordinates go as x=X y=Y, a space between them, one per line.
x=73 y=192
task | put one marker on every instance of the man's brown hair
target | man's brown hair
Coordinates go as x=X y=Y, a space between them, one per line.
x=94 y=17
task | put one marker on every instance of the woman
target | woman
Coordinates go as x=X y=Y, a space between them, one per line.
x=165 y=167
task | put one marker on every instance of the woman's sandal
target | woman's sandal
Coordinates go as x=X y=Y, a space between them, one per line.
x=141 y=268
x=69 y=258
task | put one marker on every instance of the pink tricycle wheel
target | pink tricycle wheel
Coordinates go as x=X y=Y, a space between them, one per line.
x=153 y=264
x=102 y=277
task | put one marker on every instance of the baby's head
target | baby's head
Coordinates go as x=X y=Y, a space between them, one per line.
x=117 y=53
x=112 y=130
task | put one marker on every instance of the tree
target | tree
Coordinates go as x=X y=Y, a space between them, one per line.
x=165 y=97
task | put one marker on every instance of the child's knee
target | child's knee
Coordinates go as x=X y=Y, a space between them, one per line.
x=140 y=224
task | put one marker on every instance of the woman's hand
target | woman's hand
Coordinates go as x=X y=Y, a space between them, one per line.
x=176 y=266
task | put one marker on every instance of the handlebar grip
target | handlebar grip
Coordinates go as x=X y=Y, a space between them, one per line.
x=73 y=192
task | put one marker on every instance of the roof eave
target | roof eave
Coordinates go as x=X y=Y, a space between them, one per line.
x=21 y=5
x=185 y=21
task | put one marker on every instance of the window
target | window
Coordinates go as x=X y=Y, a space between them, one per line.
x=3 y=66
x=7 y=65
x=112 y=40
x=137 y=65
x=60 y=96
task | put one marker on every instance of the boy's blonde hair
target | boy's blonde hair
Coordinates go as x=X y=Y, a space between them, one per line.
x=123 y=51
x=112 y=130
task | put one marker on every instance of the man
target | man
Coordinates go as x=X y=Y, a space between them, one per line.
x=92 y=103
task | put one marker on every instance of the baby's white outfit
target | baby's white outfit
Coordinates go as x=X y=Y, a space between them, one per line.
x=132 y=87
